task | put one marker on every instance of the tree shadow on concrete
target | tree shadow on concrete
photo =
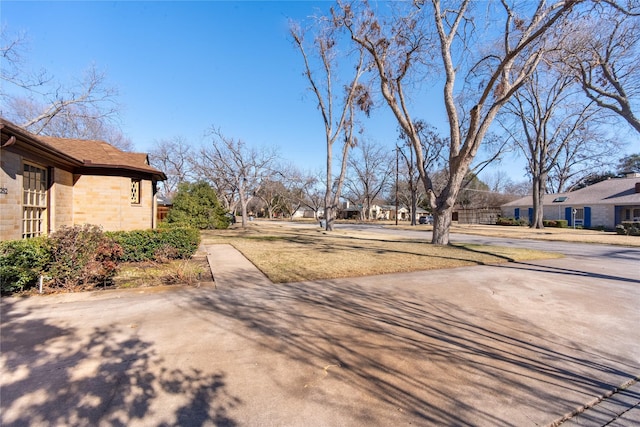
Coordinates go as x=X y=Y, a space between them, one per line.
x=433 y=360
x=573 y=272
x=56 y=375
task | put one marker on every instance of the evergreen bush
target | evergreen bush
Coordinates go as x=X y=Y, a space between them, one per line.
x=162 y=244
x=196 y=205
x=503 y=220
x=629 y=228
x=21 y=263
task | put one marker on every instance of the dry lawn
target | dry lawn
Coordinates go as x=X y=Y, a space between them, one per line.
x=146 y=274
x=287 y=254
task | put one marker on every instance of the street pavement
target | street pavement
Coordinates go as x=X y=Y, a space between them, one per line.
x=552 y=342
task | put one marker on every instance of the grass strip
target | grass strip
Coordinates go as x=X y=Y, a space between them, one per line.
x=287 y=254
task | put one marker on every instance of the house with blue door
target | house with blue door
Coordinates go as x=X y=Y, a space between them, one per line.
x=604 y=204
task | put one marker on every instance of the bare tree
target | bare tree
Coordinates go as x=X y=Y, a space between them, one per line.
x=370 y=173
x=312 y=192
x=13 y=71
x=243 y=169
x=500 y=188
x=603 y=55
x=433 y=155
x=85 y=109
x=338 y=109
x=494 y=65
x=173 y=157
x=587 y=153
x=295 y=185
x=630 y=163
x=407 y=189
x=554 y=132
x=271 y=192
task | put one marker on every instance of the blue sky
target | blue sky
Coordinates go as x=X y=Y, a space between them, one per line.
x=182 y=67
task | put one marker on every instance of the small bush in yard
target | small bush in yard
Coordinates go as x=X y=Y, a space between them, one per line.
x=81 y=257
x=21 y=263
x=137 y=245
x=628 y=228
x=165 y=243
x=511 y=221
x=558 y=223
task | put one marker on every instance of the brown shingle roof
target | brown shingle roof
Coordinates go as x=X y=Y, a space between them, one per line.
x=98 y=153
x=91 y=153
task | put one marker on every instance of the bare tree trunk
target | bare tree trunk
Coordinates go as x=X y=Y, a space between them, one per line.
x=538 y=198
x=243 y=207
x=441 y=225
x=414 y=205
x=329 y=209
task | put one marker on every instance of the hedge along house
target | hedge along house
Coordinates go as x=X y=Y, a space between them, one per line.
x=47 y=183
x=605 y=204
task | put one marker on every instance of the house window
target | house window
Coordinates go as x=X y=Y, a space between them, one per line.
x=135 y=191
x=579 y=216
x=34 y=200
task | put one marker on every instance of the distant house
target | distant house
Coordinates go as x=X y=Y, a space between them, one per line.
x=605 y=204
x=47 y=183
x=388 y=212
x=307 y=213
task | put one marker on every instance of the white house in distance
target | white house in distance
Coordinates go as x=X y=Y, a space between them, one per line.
x=605 y=204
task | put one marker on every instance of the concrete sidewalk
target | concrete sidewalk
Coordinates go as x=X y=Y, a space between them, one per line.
x=509 y=345
x=230 y=268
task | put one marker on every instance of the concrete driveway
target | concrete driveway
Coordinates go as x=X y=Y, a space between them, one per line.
x=517 y=344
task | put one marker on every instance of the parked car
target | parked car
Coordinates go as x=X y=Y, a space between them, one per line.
x=425 y=219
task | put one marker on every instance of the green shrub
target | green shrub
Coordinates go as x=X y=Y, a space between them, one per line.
x=21 y=263
x=137 y=245
x=196 y=205
x=183 y=240
x=503 y=220
x=629 y=228
x=162 y=244
x=558 y=223
x=81 y=257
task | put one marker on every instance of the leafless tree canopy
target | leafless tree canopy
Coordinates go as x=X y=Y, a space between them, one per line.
x=370 y=174
x=557 y=131
x=85 y=109
x=337 y=107
x=235 y=168
x=173 y=157
x=481 y=64
x=603 y=54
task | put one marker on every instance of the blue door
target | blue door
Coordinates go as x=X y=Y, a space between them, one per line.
x=618 y=215
x=567 y=216
x=587 y=217
x=530 y=215
x=516 y=213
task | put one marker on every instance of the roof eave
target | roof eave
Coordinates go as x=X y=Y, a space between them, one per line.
x=156 y=174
